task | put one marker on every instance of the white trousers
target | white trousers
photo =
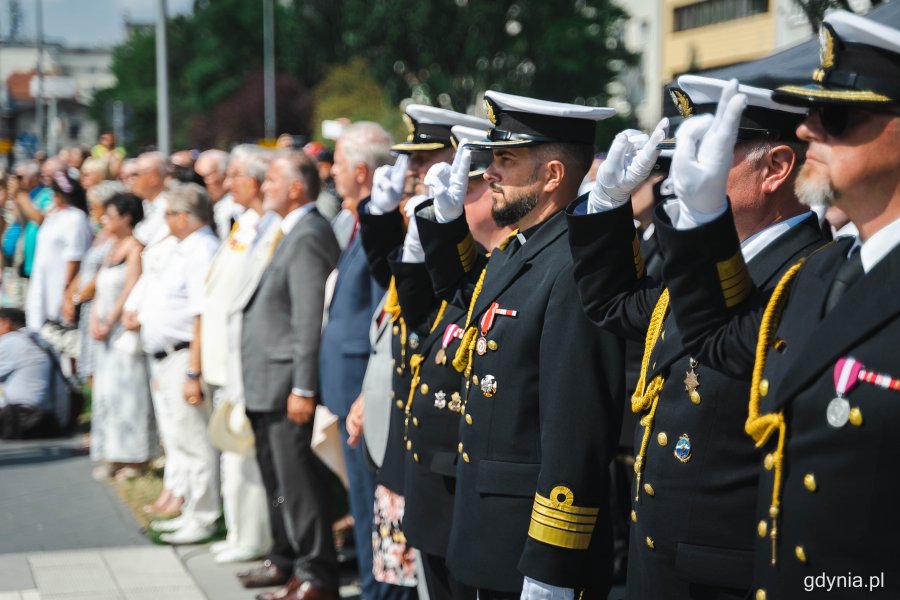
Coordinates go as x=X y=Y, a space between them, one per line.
x=183 y=430
x=243 y=498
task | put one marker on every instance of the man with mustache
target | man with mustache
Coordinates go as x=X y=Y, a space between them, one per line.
x=824 y=395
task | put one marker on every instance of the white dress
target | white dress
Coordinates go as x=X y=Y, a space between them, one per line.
x=122 y=425
x=64 y=237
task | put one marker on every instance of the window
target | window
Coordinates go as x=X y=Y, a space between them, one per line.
x=710 y=12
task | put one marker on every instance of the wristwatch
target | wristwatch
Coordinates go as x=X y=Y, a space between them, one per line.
x=192 y=375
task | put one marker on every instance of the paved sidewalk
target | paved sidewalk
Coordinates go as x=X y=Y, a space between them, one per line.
x=64 y=536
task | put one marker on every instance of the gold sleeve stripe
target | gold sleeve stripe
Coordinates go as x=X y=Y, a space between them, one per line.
x=558 y=537
x=566 y=505
x=731 y=267
x=466 y=249
x=564 y=525
x=561 y=516
x=638 y=258
x=737 y=298
x=734 y=279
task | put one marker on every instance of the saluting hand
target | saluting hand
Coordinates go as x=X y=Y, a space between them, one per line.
x=387 y=186
x=704 y=150
x=448 y=184
x=628 y=163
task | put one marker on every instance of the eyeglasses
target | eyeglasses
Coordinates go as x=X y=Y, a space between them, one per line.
x=172 y=213
x=837 y=119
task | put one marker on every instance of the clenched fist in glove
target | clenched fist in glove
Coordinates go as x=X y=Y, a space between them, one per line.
x=628 y=163
x=448 y=184
x=704 y=151
x=387 y=186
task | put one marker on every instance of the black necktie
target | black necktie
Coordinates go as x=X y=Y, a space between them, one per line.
x=846 y=276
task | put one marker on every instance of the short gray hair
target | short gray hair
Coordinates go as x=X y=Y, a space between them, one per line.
x=302 y=166
x=366 y=142
x=219 y=157
x=192 y=199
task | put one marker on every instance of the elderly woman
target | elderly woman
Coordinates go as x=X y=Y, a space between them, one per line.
x=94 y=171
x=63 y=238
x=123 y=434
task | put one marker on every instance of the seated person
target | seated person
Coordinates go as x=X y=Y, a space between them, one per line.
x=29 y=374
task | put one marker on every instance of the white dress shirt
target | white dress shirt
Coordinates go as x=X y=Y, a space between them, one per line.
x=153 y=227
x=879 y=245
x=173 y=297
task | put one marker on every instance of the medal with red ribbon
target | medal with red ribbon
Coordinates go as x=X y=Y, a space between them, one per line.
x=451 y=331
x=487 y=322
x=847 y=373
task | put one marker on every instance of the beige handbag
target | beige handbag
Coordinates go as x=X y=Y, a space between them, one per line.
x=229 y=428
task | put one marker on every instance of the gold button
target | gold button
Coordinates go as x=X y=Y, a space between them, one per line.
x=633 y=517
x=409 y=444
x=855 y=416
x=475 y=379
x=395 y=330
x=800 y=553
x=809 y=480
x=650 y=543
x=695 y=396
x=424 y=388
x=762 y=529
x=399 y=403
x=469 y=419
x=764 y=387
x=779 y=344
x=416 y=456
x=760 y=594
x=399 y=370
x=662 y=438
x=459 y=448
x=493 y=345
x=465 y=457
x=769 y=462
x=415 y=422
x=649 y=489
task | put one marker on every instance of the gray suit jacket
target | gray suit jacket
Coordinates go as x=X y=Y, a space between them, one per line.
x=282 y=322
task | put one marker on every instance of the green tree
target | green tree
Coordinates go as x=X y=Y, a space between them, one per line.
x=442 y=52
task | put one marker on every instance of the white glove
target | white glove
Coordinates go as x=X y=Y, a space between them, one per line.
x=387 y=186
x=704 y=151
x=628 y=163
x=412 y=247
x=536 y=590
x=448 y=184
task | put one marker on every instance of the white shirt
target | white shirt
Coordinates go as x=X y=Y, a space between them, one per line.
x=757 y=242
x=173 y=297
x=153 y=227
x=879 y=245
x=293 y=217
x=64 y=237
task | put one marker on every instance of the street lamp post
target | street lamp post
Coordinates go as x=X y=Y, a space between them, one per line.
x=269 y=68
x=162 y=81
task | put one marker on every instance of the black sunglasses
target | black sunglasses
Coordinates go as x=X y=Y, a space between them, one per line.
x=836 y=119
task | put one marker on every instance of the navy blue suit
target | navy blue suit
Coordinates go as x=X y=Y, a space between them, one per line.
x=343 y=358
